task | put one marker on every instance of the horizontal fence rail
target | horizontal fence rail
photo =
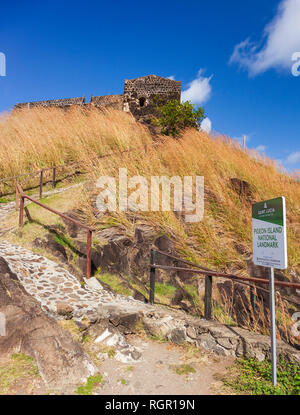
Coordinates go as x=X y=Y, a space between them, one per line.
x=89 y=230
x=209 y=274
x=41 y=172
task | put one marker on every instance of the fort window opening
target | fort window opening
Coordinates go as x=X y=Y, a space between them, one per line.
x=142 y=101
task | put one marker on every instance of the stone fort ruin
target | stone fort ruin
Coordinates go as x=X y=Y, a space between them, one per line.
x=139 y=97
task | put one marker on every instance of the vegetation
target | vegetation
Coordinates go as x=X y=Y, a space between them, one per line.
x=87 y=389
x=164 y=290
x=19 y=369
x=44 y=137
x=174 y=117
x=184 y=369
x=114 y=282
x=255 y=378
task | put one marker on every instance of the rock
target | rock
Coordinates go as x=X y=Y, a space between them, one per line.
x=93 y=283
x=126 y=322
x=137 y=295
x=62 y=362
x=177 y=336
x=64 y=309
x=52 y=246
x=209 y=343
x=164 y=243
x=242 y=187
x=72 y=228
x=177 y=297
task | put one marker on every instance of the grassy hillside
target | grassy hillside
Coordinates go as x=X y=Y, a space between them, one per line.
x=39 y=138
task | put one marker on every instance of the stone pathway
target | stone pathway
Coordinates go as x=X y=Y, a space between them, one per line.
x=58 y=291
x=5 y=210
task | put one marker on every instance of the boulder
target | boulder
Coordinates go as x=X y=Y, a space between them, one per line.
x=61 y=361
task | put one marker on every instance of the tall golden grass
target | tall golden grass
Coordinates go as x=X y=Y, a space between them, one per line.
x=30 y=140
x=46 y=137
x=227 y=219
x=41 y=138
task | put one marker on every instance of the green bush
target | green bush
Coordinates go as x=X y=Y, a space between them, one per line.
x=255 y=378
x=174 y=116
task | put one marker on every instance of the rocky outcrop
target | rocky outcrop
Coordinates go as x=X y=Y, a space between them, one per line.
x=61 y=361
x=215 y=337
x=242 y=187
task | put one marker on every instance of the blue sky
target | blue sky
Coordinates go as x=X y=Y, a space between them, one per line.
x=233 y=57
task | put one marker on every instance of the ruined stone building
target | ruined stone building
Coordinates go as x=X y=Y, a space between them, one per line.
x=139 y=97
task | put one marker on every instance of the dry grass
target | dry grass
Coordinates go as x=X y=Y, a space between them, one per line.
x=39 y=138
x=227 y=218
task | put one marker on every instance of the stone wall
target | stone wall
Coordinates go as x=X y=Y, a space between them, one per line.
x=61 y=103
x=111 y=101
x=139 y=93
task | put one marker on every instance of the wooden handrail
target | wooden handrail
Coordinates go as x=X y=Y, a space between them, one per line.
x=209 y=274
x=232 y=276
x=62 y=215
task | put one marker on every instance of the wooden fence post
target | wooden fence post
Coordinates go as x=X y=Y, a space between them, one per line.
x=152 y=276
x=89 y=254
x=21 y=213
x=253 y=297
x=17 y=197
x=208 y=298
x=41 y=184
x=54 y=178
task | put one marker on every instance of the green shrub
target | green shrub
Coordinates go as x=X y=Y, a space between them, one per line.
x=174 y=116
x=256 y=378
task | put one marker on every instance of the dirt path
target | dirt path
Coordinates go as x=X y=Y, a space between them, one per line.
x=165 y=368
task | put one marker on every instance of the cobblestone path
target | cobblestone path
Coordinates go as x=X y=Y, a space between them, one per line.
x=57 y=290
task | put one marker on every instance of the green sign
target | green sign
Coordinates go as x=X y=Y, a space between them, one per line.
x=269 y=233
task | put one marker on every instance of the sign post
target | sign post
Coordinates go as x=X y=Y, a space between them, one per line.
x=270 y=250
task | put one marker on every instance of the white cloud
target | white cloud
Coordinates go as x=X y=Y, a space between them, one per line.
x=199 y=89
x=206 y=125
x=172 y=77
x=279 y=41
x=293 y=158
